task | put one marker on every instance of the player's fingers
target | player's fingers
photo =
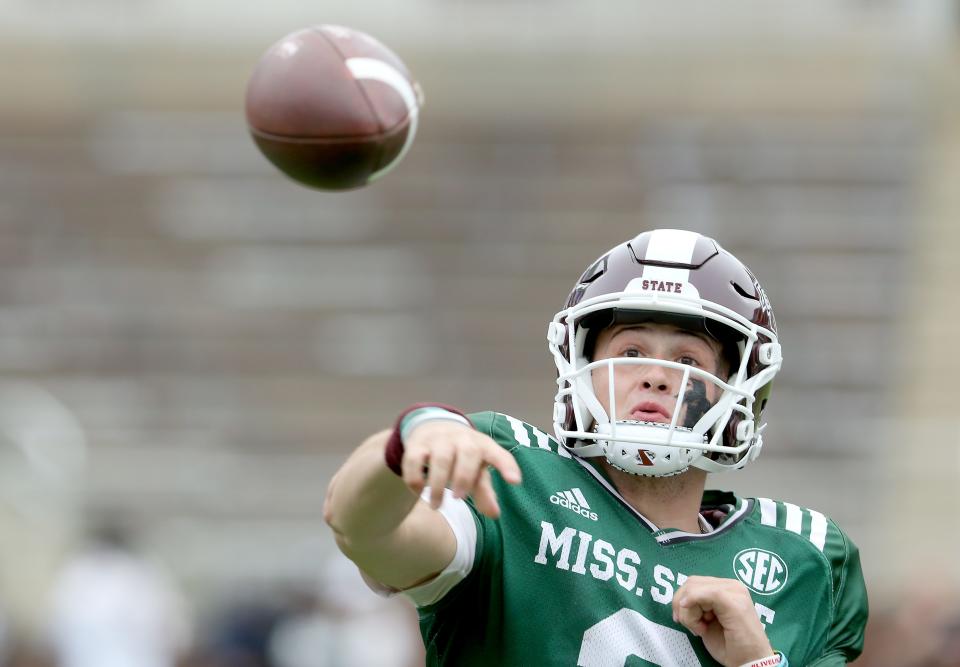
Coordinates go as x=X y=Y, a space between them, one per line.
x=466 y=470
x=502 y=460
x=439 y=465
x=484 y=496
x=719 y=595
x=691 y=616
x=693 y=591
x=412 y=467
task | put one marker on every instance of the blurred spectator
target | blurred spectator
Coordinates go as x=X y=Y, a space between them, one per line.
x=346 y=625
x=950 y=638
x=5 y=639
x=923 y=630
x=241 y=636
x=114 y=608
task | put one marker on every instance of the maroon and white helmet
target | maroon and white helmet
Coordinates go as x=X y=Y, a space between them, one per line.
x=688 y=280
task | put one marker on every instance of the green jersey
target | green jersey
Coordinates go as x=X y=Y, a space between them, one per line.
x=570 y=574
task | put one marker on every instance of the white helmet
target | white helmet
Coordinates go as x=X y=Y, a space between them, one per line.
x=688 y=280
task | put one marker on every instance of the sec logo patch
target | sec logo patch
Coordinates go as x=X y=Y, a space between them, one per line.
x=762 y=571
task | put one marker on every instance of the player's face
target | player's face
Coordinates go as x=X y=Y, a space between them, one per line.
x=645 y=392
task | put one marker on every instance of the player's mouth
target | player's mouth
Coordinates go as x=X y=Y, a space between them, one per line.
x=650 y=411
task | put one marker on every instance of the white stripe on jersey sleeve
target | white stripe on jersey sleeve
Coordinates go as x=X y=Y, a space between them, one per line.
x=794 y=518
x=768 y=512
x=519 y=432
x=818 y=529
x=543 y=440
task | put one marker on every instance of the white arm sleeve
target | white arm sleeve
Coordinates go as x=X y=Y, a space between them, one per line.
x=458 y=515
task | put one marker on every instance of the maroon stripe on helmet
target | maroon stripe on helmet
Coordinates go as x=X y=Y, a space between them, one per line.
x=638 y=246
x=704 y=250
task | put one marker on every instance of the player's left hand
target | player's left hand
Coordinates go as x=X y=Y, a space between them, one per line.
x=721 y=612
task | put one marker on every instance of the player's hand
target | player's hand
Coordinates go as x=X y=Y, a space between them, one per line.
x=442 y=454
x=721 y=613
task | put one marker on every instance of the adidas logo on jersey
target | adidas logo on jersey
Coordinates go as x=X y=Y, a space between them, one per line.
x=574 y=500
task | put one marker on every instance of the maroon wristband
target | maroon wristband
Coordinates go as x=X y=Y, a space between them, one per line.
x=393 y=454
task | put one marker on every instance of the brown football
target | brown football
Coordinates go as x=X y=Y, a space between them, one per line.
x=332 y=107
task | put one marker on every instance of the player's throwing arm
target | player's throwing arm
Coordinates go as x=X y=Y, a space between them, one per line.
x=373 y=502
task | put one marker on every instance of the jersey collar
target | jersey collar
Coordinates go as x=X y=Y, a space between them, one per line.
x=668 y=536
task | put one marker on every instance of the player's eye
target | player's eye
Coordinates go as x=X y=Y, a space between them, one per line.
x=631 y=352
x=689 y=361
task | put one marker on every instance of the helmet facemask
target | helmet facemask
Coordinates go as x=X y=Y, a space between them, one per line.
x=704 y=420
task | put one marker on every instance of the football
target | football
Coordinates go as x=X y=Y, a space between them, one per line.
x=332 y=107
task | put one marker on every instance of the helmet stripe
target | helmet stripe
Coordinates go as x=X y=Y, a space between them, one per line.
x=672 y=245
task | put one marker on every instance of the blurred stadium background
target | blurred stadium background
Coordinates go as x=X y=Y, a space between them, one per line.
x=190 y=344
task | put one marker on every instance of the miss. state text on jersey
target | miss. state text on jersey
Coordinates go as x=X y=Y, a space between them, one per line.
x=605 y=562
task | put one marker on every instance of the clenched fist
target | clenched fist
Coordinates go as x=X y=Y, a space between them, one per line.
x=721 y=612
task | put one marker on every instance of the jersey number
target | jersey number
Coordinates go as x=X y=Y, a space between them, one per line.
x=628 y=633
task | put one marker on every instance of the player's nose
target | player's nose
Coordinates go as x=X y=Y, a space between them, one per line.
x=658 y=378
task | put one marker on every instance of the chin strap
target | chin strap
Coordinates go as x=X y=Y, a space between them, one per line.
x=583 y=392
x=593 y=449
